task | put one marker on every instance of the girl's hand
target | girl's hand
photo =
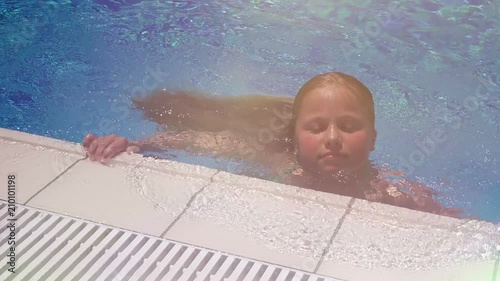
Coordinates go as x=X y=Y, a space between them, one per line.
x=104 y=148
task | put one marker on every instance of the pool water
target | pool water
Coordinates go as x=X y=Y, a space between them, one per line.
x=72 y=67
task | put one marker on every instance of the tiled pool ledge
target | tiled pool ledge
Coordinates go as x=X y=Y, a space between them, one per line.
x=311 y=231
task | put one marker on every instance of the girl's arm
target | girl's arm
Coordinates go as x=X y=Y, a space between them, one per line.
x=217 y=144
x=214 y=143
x=210 y=143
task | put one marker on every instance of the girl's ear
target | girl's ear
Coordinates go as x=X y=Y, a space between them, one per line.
x=295 y=147
x=374 y=140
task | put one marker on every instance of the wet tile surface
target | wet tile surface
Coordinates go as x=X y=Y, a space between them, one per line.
x=130 y=197
x=33 y=166
x=244 y=221
x=283 y=190
x=380 y=238
x=36 y=140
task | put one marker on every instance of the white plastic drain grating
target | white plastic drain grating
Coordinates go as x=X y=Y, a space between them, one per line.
x=55 y=247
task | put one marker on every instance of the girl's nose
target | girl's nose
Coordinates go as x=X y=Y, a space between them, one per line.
x=333 y=138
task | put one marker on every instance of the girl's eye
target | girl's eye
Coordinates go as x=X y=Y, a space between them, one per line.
x=349 y=127
x=346 y=127
x=315 y=128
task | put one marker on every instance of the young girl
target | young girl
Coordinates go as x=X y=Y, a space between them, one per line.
x=321 y=140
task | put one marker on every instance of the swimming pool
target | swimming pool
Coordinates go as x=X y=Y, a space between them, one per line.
x=72 y=67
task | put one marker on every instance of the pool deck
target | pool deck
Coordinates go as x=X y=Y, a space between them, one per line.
x=336 y=236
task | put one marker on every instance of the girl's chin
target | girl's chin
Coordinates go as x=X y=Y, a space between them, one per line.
x=330 y=171
x=336 y=172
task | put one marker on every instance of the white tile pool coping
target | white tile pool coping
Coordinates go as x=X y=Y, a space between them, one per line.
x=326 y=234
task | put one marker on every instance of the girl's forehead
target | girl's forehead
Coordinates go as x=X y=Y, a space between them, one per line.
x=324 y=98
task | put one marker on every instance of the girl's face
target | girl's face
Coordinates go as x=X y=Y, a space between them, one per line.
x=332 y=134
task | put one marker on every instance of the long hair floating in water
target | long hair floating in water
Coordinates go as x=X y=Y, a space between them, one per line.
x=244 y=116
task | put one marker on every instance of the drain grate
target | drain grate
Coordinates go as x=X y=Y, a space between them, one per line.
x=59 y=248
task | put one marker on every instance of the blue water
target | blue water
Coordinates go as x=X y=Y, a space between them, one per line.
x=72 y=67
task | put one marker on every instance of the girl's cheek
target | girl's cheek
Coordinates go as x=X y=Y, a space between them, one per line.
x=308 y=144
x=359 y=141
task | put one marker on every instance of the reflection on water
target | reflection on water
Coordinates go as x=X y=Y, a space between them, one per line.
x=423 y=60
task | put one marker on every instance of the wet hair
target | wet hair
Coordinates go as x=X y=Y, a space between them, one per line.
x=334 y=81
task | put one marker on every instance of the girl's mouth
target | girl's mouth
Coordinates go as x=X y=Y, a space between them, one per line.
x=333 y=155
